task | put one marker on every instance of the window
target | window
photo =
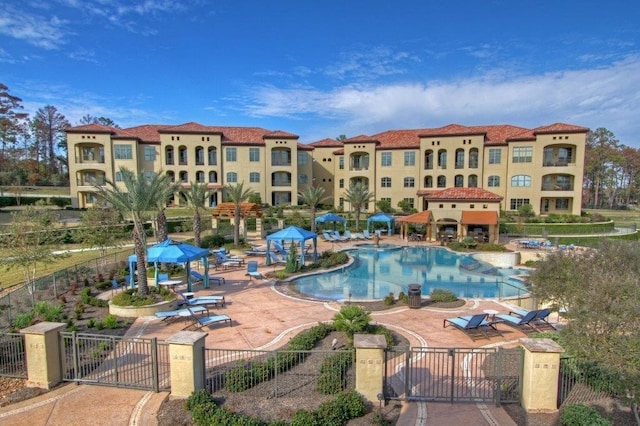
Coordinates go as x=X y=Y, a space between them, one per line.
x=341 y=183
x=428 y=160
x=303 y=159
x=459 y=159
x=562 y=204
x=200 y=176
x=495 y=155
x=184 y=177
x=254 y=177
x=213 y=156
x=232 y=177
x=341 y=163
x=521 y=180
x=473 y=158
x=472 y=181
x=428 y=182
x=458 y=181
x=522 y=154
x=494 y=181
x=199 y=156
x=213 y=177
x=442 y=159
x=118 y=176
x=302 y=178
x=385 y=182
x=182 y=156
x=231 y=155
x=409 y=182
x=169 y=155
x=122 y=152
x=254 y=154
x=517 y=202
x=385 y=159
x=442 y=181
x=409 y=158
x=409 y=201
x=149 y=153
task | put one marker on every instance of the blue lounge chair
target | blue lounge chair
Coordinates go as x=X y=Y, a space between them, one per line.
x=205 y=301
x=473 y=324
x=367 y=235
x=185 y=313
x=229 y=261
x=252 y=269
x=539 y=319
x=338 y=237
x=276 y=258
x=350 y=236
x=200 y=322
x=519 y=322
x=328 y=237
x=278 y=247
x=200 y=278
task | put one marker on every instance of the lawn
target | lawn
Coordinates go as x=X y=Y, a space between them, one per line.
x=624 y=218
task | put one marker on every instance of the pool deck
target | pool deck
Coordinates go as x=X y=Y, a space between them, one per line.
x=263 y=318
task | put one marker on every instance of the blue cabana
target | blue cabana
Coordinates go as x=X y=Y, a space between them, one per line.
x=381 y=217
x=170 y=252
x=293 y=233
x=331 y=217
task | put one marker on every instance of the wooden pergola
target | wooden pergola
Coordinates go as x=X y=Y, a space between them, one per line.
x=247 y=210
x=421 y=218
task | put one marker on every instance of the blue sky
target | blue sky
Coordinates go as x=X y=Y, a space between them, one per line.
x=325 y=68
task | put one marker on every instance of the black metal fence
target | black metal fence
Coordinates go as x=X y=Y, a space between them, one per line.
x=20 y=299
x=116 y=361
x=278 y=374
x=580 y=384
x=12 y=356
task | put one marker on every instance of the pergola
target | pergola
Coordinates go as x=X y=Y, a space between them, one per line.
x=247 y=210
x=421 y=218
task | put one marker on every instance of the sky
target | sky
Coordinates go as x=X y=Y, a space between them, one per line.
x=325 y=68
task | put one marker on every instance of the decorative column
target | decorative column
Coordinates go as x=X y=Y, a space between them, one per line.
x=186 y=359
x=540 y=375
x=369 y=365
x=43 y=353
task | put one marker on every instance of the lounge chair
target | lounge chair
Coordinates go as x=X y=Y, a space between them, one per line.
x=519 y=322
x=252 y=269
x=200 y=322
x=185 y=313
x=278 y=247
x=350 y=236
x=276 y=258
x=360 y=236
x=205 y=301
x=229 y=261
x=367 y=235
x=473 y=324
x=200 y=278
x=338 y=237
x=328 y=237
x=115 y=286
x=540 y=318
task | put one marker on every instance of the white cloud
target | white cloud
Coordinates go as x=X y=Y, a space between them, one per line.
x=47 y=33
x=597 y=97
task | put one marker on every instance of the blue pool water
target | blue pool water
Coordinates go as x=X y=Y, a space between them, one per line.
x=376 y=272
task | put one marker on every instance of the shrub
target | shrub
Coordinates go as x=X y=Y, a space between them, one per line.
x=579 y=415
x=110 y=321
x=23 y=320
x=389 y=299
x=91 y=323
x=281 y=275
x=213 y=241
x=442 y=295
x=333 y=377
x=403 y=298
x=103 y=285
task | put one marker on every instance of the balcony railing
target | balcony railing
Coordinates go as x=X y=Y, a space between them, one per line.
x=281 y=183
x=556 y=163
x=90 y=182
x=557 y=187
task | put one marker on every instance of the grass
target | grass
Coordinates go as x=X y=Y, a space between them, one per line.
x=620 y=217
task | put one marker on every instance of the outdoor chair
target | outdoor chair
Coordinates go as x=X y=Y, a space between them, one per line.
x=185 y=313
x=200 y=278
x=350 y=236
x=519 y=322
x=163 y=277
x=338 y=237
x=539 y=319
x=278 y=247
x=115 y=286
x=276 y=258
x=208 y=321
x=359 y=236
x=473 y=325
x=328 y=237
x=252 y=269
x=205 y=301
x=229 y=261
x=367 y=235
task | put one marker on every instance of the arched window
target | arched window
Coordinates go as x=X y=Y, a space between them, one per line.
x=428 y=160
x=521 y=180
x=213 y=177
x=172 y=176
x=442 y=159
x=182 y=155
x=472 y=181
x=199 y=156
x=212 y=153
x=494 y=181
x=184 y=177
x=200 y=176
x=428 y=182
x=442 y=181
x=473 y=158
x=168 y=155
x=458 y=181
x=459 y=158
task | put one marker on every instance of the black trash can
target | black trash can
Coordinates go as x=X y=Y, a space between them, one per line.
x=415 y=295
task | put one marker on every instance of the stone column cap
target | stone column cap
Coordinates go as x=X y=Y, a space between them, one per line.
x=186 y=337
x=369 y=341
x=43 y=327
x=541 y=345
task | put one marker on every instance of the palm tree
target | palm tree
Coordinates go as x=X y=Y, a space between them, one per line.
x=358 y=195
x=197 y=197
x=169 y=189
x=351 y=319
x=238 y=194
x=138 y=200
x=312 y=197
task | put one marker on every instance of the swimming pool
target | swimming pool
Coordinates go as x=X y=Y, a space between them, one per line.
x=376 y=272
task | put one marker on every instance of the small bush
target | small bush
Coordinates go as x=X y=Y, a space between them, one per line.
x=580 y=415
x=23 y=320
x=281 y=275
x=110 y=321
x=403 y=298
x=91 y=323
x=441 y=295
x=389 y=299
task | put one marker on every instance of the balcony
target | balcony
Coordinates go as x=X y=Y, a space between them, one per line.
x=281 y=162
x=557 y=163
x=88 y=181
x=557 y=186
x=281 y=183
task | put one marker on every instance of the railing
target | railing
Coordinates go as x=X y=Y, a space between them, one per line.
x=579 y=383
x=275 y=162
x=12 y=356
x=557 y=187
x=556 y=163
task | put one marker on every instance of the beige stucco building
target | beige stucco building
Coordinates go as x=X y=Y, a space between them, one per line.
x=433 y=169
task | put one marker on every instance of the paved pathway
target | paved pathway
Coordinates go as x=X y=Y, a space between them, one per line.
x=265 y=319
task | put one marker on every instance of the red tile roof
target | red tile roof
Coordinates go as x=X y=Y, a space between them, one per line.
x=91 y=128
x=560 y=128
x=420 y=217
x=326 y=143
x=479 y=218
x=467 y=194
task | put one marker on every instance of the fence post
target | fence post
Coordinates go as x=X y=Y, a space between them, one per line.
x=186 y=361
x=42 y=347
x=540 y=375
x=370 y=365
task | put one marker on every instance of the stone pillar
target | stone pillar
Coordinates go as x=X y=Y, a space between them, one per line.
x=540 y=375
x=43 y=353
x=243 y=228
x=369 y=365
x=186 y=359
x=214 y=223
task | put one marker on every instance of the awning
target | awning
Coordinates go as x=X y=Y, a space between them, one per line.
x=420 y=217
x=479 y=218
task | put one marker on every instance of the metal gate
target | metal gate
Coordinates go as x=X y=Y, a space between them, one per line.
x=453 y=374
x=116 y=361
